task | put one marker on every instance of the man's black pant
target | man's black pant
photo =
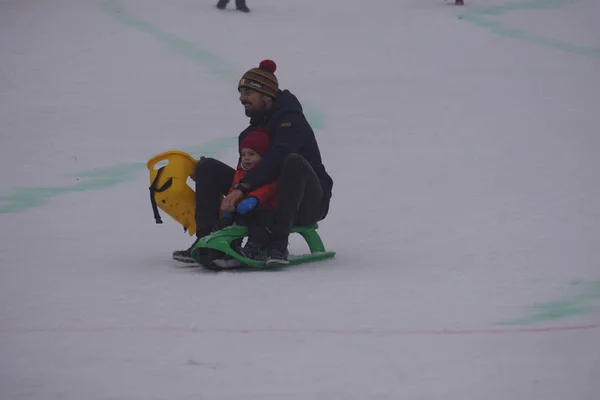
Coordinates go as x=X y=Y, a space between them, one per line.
x=300 y=197
x=299 y=200
x=213 y=180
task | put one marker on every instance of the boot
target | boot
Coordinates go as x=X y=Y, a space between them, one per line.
x=185 y=255
x=253 y=250
x=240 y=5
x=278 y=252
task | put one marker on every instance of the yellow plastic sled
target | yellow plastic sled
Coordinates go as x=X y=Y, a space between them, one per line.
x=169 y=190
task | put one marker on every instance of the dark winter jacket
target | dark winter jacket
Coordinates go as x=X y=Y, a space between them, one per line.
x=289 y=132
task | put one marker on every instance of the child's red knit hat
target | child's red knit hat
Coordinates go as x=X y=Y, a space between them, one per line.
x=257 y=141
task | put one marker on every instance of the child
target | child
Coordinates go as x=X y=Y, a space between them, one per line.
x=256 y=210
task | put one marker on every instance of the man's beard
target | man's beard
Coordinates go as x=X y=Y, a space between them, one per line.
x=254 y=113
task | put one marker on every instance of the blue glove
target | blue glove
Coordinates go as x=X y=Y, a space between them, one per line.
x=247 y=205
x=227 y=214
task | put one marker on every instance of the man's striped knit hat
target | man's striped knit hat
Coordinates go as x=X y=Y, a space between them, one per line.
x=261 y=79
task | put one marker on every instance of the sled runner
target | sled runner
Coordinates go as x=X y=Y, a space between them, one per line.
x=223 y=241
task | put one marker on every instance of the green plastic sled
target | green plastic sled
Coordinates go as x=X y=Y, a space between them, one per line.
x=221 y=240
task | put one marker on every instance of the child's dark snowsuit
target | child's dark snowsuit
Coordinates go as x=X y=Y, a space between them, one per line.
x=260 y=219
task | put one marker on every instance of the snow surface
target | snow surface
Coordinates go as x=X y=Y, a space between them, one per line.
x=464 y=145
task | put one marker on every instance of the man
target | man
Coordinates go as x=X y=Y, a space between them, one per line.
x=240 y=5
x=305 y=187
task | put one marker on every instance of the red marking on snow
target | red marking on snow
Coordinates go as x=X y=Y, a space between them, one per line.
x=240 y=331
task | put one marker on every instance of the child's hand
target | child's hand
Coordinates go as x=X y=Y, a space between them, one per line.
x=193 y=174
x=247 y=205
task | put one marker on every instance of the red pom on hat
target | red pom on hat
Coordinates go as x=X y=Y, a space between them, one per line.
x=268 y=65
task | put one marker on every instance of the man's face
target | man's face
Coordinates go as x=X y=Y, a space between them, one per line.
x=250 y=158
x=254 y=102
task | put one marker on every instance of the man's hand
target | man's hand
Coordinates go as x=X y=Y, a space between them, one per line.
x=230 y=201
x=193 y=174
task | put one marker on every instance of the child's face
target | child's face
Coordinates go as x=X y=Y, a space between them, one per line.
x=250 y=158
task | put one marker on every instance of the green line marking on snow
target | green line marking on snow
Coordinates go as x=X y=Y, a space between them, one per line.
x=23 y=199
x=212 y=63
x=585 y=299
x=481 y=17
